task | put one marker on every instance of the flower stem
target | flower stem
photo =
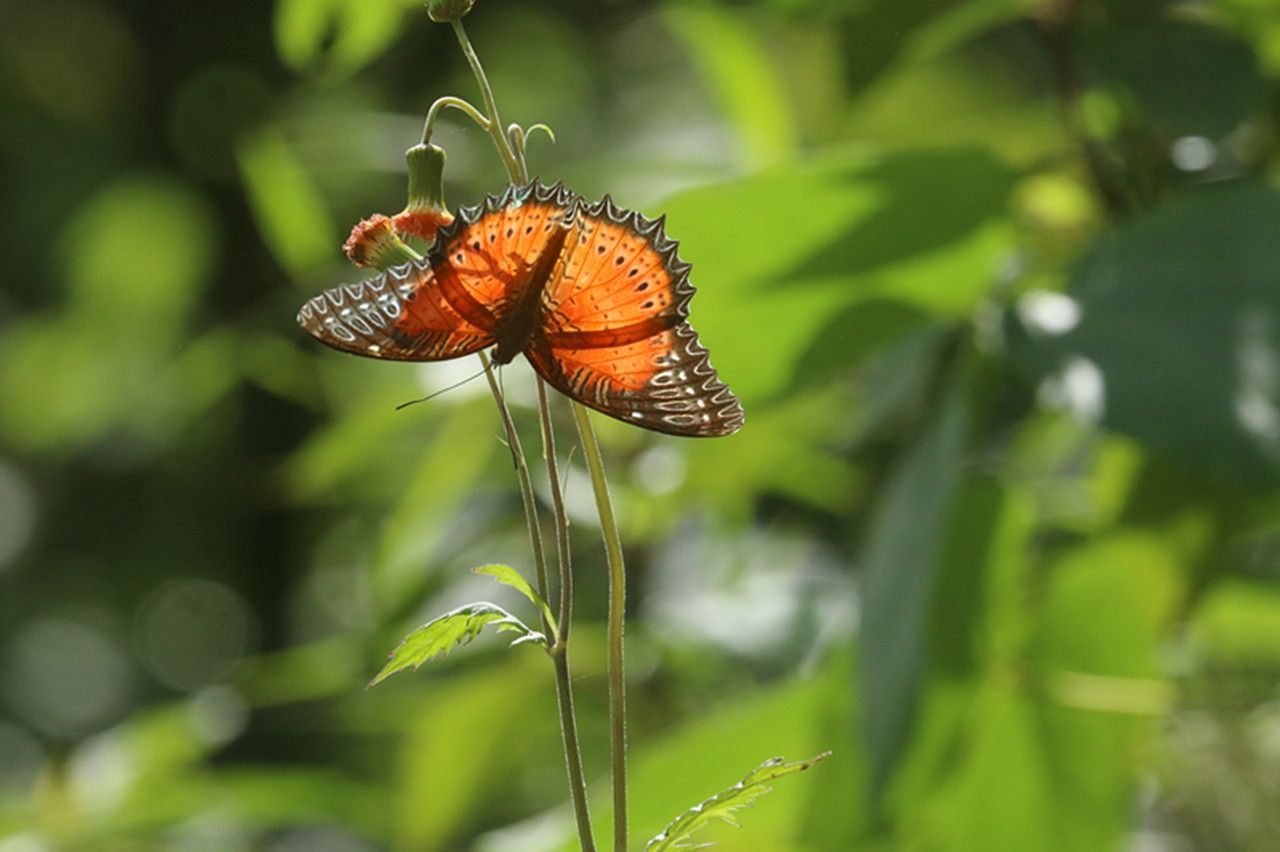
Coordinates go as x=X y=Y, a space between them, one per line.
x=518 y=173
x=559 y=650
x=515 y=168
x=563 y=554
x=458 y=104
x=617 y=615
x=560 y=653
x=522 y=474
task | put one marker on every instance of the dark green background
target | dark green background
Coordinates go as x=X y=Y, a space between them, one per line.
x=998 y=283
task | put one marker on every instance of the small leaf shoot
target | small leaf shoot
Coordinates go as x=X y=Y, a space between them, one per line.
x=509 y=576
x=438 y=637
x=725 y=805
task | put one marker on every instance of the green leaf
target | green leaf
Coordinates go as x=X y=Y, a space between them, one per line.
x=738 y=68
x=1239 y=623
x=438 y=637
x=724 y=806
x=288 y=207
x=338 y=36
x=441 y=480
x=883 y=227
x=1189 y=79
x=475 y=729
x=1176 y=339
x=137 y=254
x=509 y=576
x=300 y=29
x=902 y=558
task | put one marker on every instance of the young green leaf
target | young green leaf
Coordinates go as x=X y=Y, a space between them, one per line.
x=509 y=576
x=437 y=638
x=725 y=805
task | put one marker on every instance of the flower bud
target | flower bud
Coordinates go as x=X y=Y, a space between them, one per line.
x=374 y=243
x=426 y=211
x=444 y=11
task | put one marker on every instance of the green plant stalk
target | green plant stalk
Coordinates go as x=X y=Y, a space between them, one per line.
x=617 y=615
x=518 y=173
x=560 y=652
x=526 y=481
x=515 y=168
x=564 y=557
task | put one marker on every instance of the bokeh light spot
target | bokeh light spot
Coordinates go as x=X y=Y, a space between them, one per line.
x=65 y=677
x=17 y=514
x=190 y=632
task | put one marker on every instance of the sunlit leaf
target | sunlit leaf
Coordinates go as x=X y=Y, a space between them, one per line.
x=1239 y=623
x=488 y=725
x=338 y=35
x=438 y=637
x=509 y=576
x=954 y=25
x=290 y=212
x=925 y=229
x=300 y=673
x=804 y=716
x=140 y=250
x=137 y=256
x=300 y=29
x=743 y=76
x=726 y=804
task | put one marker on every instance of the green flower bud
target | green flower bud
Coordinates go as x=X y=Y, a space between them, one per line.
x=426 y=210
x=444 y=11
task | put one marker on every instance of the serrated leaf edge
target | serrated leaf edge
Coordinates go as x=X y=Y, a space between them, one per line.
x=497 y=572
x=750 y=788
x=506 y=622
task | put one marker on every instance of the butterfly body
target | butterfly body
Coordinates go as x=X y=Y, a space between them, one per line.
x=594 y=296
x=520 y=327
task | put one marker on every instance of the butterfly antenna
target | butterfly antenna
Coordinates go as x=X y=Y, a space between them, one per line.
x=453 y=386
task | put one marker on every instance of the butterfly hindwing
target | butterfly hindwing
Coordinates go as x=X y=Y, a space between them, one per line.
x=616 y=336
x=664 y=382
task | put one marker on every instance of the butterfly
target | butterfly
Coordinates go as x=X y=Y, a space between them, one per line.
x=594 y=296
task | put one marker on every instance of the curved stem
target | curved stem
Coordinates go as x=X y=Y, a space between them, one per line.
x=457 y=103
x=617 y=614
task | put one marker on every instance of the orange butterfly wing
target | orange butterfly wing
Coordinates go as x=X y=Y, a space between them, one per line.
x=448 y=304
x=615 y=334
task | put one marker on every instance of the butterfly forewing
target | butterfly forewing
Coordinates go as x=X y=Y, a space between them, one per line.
x=448 y=304
x=491 y=247
x=400 y=315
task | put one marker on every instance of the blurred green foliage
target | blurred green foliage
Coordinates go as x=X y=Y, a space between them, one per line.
x=997 y=282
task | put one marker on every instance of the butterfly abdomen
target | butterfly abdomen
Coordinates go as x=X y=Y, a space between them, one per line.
x=516 y=330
